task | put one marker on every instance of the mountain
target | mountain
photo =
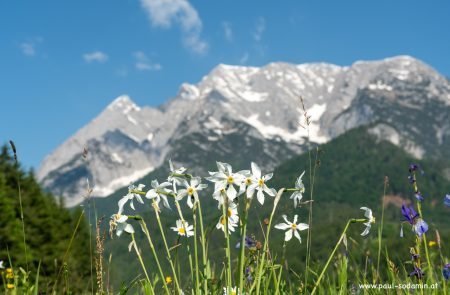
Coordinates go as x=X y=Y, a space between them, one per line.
x=256 y=111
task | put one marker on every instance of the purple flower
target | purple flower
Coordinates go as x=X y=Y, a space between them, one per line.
x=420 y=227
x=249 y=243
x=447 y=200
x=446 y=271
x=417 y=272
x=419 y=196
x=248 y=274
x=413 y=167
x=410 y=214
x=412 y=217
x=411 y=179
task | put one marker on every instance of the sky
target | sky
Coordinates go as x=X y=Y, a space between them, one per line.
x=63 y=62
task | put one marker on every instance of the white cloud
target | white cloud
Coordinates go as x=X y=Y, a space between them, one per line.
x=143 y=63
x=244 y=59
x=95 y=56
x=260 y=27
x=28 y=47
x=163 y=13
x=227 y=31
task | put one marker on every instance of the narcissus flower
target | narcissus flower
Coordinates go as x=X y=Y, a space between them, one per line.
x=225 y=180
x=370 y=220
x=158 y=192
x=175 y=175
x=259 y=184
x=300 y=189
x=230 y=291
x=133 y=192
x=184 y=230
x=292 y=228
x=119 y=224
x=221 y=224
x=191 y=190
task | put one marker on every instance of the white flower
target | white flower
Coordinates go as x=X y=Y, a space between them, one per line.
x=225 y=179
x=231 y=225
x=1 y=264
x=132 y=189
x=370 y=220
x=175 y=174
x=300 y=189
x=159 y=192
x=230 y=291
x=119 y=223
x=292 y=228
x=191 y=190
x=183 y=230
x=259 y=184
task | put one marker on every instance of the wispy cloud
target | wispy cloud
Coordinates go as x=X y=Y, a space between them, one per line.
x=163 y=13
x=244 y=58
x=227 y=31
x=28 y=47
x=260 y=27
x=95 y=56
x=143 y=63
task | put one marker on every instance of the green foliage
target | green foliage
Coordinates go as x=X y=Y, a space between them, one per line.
x=48 y=228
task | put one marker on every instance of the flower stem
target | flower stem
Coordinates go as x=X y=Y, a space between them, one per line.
x=380 y=231
x=242 y=250
x=197 y=281
x=142 y=263
x=152 y=247
x=266 y=244
x=331 y=256
x=155 y=206
x=204 y=250
x=227 y=238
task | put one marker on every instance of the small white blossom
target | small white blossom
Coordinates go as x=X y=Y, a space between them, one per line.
x=191 y=190
x=225 y=179
x=132 y=189
x=259 y=184
x=300 y=189
x=158 y=192
x=184 y=230
x=370 y=220
x=174 y=176
x=1 y=264
x=292 y=228
x=231 y=225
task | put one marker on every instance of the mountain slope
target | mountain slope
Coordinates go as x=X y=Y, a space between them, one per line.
x=409 y=101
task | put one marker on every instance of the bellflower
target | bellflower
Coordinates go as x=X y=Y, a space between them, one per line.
x=292 y=228
x=158 y=192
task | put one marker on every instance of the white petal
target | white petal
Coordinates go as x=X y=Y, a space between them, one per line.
x=122 y=219
x=202 y=186
x=297 y=235
x=154 y=183
x=189 y=202
x=138 y=197
x=181 y=194
x=195 y=181
x=129 y=229
x=295 y=219
x=282 y=226
x=165 y=202
x=288 y=235
x=269 y=191
x=132 y=205
x=121 y=203
x=256 y=171
x=260 y=196
x=302 y=226
x=366 y=230
x=268 y=176
x=231 y=192
x=151 y=194
x=171 y=165
x=285 y=219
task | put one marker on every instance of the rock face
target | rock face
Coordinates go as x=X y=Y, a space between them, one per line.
x=236 y=111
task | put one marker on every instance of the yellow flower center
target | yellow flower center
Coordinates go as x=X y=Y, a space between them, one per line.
x=222 y=220
x=181 y=231
x=230 y=179
x=293 y=226
x=248 y=181
x=261 y=182
x=190 y=191
x=168 y=279
x=230 y=212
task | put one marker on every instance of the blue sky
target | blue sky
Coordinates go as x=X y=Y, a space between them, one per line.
x=63 y=62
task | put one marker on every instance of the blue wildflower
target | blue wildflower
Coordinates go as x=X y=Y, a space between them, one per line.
x=413 y=167
x=446 y=271
x=419 y=196
x=417 y=272
x=411 y=179
x=249 y=243
x=412 y=217
x=447 y=200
